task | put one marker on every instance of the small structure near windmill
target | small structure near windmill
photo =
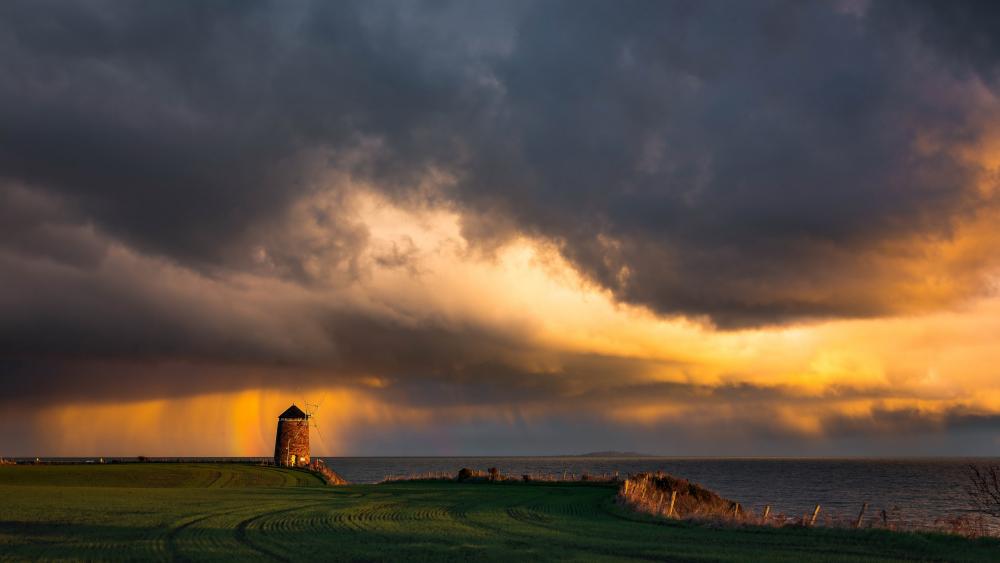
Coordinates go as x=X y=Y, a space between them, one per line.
x=291 y=445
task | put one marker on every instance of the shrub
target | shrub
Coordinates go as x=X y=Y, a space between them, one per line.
x=652 y=493
x=984 y=489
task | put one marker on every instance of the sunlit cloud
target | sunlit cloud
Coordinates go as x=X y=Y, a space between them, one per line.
x=463 y=232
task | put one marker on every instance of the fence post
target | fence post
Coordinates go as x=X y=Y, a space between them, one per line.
x=861 y=515
x=673 y=499
x=812 y=520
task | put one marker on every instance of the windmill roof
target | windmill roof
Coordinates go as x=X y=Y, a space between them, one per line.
x=293 y=412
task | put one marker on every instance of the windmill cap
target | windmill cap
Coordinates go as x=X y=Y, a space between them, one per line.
x=293 y=412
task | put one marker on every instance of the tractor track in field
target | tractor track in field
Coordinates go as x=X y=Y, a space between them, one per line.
x=347 y=520
x=371 y=519
x=170 y=540
x=528 y=516
x=386 y=518
x=461 y=514
x=216 y=476
x=240 y=532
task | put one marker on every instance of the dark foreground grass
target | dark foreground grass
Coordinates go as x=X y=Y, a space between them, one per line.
x=203 y=511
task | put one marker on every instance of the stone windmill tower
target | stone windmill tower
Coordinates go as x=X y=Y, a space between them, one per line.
x=291 y=445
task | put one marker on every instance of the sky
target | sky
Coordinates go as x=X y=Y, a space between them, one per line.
x=710 y=228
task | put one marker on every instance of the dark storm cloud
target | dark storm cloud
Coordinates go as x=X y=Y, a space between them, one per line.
x=746 y=162
x=966 y=29
x=85 y=319
x=737 y=161
x=133 y=329
x=179 y=126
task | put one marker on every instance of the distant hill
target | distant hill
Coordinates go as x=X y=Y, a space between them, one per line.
x=614 y=453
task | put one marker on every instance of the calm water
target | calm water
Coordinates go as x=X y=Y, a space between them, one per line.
x=913 y=490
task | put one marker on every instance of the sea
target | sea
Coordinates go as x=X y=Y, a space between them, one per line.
x=913 y=492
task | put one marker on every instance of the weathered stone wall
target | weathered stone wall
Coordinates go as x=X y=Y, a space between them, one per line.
x=292 y=440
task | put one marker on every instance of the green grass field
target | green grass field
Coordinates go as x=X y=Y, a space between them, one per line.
x=228 y=511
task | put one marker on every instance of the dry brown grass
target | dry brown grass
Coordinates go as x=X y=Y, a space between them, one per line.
x=664 y=495
x=427 y=476
x=652 y=493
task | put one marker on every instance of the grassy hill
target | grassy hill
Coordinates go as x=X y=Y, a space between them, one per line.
x=207 y=511
x=155 y=475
